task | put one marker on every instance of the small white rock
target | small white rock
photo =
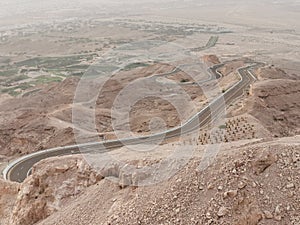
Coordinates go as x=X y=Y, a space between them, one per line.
x=241 y=185
x=290 y=185
x=210 y=186
x=222 y=211
x=208 y=215
x=277 y=210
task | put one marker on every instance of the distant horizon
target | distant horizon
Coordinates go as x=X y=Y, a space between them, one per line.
x=22 y=6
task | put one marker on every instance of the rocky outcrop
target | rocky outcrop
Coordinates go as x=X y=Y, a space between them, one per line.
x=8 y=195
x=249 y=185
x=271 y=72
x=276 y=105
x=211 y=59
x=55 y=181
x=52 y=184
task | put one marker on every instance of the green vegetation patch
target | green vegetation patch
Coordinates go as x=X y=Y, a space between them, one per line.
x=134 y=65
x=54 y=62
x=47 y=79
x=13 y=91
x=77 y=67
x=17 y=78
x=7 y=73
x=223 y=126
x=77 y=74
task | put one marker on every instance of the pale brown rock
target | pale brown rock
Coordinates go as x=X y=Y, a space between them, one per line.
x=268 y=214
x=231 y=193
x=222 y=211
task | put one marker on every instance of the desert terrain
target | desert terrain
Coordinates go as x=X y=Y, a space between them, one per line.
x=241 y=167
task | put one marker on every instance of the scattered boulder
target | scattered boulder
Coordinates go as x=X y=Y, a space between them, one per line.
x=263 y=162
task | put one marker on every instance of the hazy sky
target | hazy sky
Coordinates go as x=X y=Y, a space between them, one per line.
x=266 y=10
x=22 y=6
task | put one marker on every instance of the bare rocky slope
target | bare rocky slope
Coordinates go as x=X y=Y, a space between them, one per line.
x=8 y=193
x=276 y=105
x=275 y=101
x=248 y=183
x=27 y=127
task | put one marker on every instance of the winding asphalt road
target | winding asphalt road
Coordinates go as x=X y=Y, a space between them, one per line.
x=19 y=169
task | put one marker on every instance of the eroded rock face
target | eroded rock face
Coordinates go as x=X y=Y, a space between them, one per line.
x=276 y=105
x=8 y=195
x=51 y=186
x=55 y=181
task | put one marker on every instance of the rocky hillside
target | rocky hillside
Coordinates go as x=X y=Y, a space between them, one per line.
x=272 y=72
x=275 y=101
x=8 y=195
x=28 y=128
x=248 y=184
